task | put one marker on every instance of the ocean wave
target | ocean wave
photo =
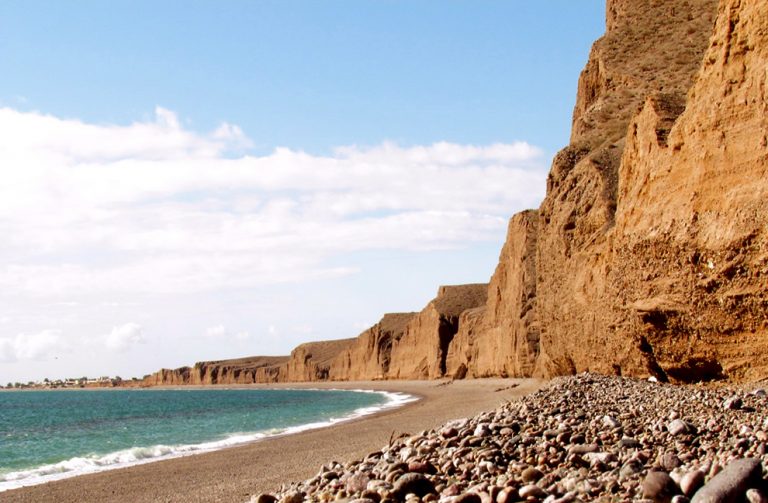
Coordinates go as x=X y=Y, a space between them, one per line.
x=140 y=455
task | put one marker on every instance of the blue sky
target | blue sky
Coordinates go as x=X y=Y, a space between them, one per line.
x=201 y=180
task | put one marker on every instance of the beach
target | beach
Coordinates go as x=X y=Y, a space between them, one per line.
x=237 y=473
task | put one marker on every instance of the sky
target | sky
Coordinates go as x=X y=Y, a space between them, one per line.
x=201 y=180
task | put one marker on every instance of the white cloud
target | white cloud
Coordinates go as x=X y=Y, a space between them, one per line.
x=221 y=332
x=243 y=336
x=125 y=336
x=152 y=207
x=216 y=332
x=40 y=346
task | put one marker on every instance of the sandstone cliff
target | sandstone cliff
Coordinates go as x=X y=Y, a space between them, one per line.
x=238 y=371
x=502 y=337
x=370 y=355
x=672 y=280
x=649 y=47
x=422 y=350
x=690 y=245
x=312 y=361
x=649 y=253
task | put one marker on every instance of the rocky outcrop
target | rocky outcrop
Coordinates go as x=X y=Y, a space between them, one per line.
x=691 y=238
x=248 y=370
x=672 y=282
x=649 y=47
x=502 y=337
x=422 y=350
x=312 y=361
x=648 y=254
x=370 y=355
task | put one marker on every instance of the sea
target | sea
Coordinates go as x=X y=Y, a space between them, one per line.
x=50 y=435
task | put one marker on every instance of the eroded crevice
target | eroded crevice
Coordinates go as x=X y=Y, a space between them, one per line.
x=447 y=330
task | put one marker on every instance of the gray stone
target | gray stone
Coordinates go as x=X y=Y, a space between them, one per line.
x=611 y=422
x=583 y=448
x=732 y=403
x=482 y=430
x=678 y=427
x=669 y=461
x=731 y=483
x=358 y=482
x=630 y=468
x=629 y=443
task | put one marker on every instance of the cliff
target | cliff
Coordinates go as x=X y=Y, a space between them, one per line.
x=312 y=361
x=370 y=355
x=671 y=281
x=690 y=245
x=649 y=253
x=422 y=350
x=501 y=338
x=238 y=371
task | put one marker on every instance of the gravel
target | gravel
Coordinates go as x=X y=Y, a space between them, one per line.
x=582 y=438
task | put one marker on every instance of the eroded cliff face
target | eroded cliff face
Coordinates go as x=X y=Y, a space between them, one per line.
x=422 y=351
x=674 y=283
x=649 y=47
x=248 y=370
x=502 y=337
x=370 y=355
x=691 y=238
x=649 y=254
x=312 y=361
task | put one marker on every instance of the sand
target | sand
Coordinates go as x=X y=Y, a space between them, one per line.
x=237 y=473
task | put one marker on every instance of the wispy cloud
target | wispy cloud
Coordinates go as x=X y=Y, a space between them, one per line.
x=123 y=337
x=154 y=207
x=39 y=346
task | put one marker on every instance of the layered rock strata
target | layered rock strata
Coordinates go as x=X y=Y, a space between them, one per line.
x=312 y=361
x=238 y=371
x=501 y=338
x=647 y=255
x=660 y=267
x=422 y=350
x=369 y=357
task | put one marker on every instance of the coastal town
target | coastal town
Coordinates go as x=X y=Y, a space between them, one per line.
x=75 y=383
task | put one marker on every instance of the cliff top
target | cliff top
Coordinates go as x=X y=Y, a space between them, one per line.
x=249 y=362
x=395 y=322
x=625 y=66
x=323 y=352
x=452 y=300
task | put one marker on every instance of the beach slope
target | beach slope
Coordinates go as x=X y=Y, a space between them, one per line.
x=237 y=473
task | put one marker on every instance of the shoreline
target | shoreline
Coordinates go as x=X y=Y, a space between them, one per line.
x=235 y=473
x=52 y=472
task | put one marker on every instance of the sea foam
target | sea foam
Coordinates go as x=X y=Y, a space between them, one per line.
x=140 y=455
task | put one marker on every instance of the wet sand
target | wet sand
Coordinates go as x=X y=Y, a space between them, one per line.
x=235 y=474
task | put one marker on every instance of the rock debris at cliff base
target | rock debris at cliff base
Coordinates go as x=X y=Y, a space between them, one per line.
x=582 y=438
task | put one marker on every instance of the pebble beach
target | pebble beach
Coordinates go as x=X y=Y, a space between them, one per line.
x=581 y=438
x=236 y=474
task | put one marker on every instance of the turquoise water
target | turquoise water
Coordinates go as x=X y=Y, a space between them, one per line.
x=53 y=434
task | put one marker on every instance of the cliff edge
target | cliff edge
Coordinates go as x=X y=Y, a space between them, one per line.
x=649 y=253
